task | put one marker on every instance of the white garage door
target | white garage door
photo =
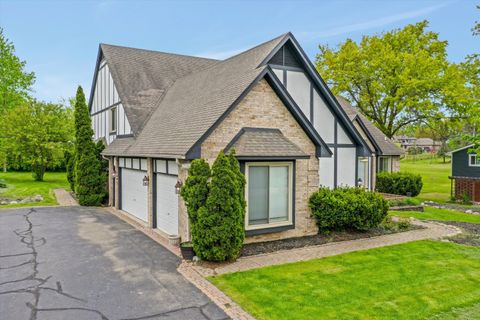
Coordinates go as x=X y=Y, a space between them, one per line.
x=134 y=193
x=167 y=204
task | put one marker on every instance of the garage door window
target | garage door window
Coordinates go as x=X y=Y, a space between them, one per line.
x=269 y=194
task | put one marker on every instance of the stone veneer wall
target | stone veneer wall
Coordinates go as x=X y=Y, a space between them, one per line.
x=262 y=108
x=395 y=163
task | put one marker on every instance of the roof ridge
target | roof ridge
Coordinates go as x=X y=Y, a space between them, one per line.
x=258 y=45
x=220 y=62
x=161 y=52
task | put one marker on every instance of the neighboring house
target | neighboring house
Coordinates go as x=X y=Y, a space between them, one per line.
x=427 y=145
x=465 y=174
x=405 y=141
x=385 y=156
x=158 y=111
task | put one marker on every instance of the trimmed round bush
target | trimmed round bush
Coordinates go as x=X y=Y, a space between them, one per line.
x=402 y=183
x=347 y=208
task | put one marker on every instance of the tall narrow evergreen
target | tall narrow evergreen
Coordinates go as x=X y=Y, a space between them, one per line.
x=220 y=227
x=89 y=178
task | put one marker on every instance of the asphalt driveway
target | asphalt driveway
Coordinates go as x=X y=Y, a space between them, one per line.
x=84 y=263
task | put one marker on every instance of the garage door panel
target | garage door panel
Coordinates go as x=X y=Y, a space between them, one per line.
x=167 y=204
x=134 y=193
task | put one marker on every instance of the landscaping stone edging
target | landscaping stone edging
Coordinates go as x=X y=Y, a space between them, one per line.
x=407 y=208
x=17 y=200
x=475 y=210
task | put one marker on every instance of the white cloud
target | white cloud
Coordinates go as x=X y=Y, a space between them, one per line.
x=345 y=29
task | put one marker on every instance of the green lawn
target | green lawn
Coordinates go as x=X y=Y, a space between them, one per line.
x=438 y=214
x=21 y=184
x=416 y=280
x=436 y=185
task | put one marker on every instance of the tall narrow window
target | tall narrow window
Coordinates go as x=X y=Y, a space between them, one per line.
x=363 y=173
x=269 y=194
x=113 y=120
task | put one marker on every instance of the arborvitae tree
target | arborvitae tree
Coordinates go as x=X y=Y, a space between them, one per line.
x=195 y=193
x=220 y=227
x=89 y=178
x=99 y=147
x=195 y=190
x=235 y=167
x=70 y=167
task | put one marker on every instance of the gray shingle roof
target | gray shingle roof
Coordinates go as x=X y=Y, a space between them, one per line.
x=263 y=142
x=143 y=76
x=386 y=146
x=119 y=146
x=193 y=102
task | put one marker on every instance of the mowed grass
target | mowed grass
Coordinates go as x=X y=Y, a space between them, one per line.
x=416 y=280
x=21 y=184
x=436 y=185
x=439 y=215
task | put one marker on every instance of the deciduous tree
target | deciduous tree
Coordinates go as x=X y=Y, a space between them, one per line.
x=38 y=133
x=397 y=78
x=15 y=86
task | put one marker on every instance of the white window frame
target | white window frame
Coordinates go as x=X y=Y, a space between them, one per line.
x=366 y=184
x=289 y=221
x=477 y=160
x=113 y=119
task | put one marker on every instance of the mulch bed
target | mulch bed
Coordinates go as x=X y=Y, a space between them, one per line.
x=318 y=239
x=470 y=235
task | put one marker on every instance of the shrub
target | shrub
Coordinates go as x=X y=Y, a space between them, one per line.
x=414 y=150
x=465 y=198
x=3 y=184
x=404 y=202
x=403 y=183
x=347 y=208
x=404 y=224
x=216 y=208
x=195 y=193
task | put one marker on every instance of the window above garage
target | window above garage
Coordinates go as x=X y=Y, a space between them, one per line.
x=133 y=163
x=165 y=166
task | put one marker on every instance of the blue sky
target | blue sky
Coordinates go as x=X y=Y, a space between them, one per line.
x=59 y=39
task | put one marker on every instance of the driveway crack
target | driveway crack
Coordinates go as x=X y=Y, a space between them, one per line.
x=28 y=238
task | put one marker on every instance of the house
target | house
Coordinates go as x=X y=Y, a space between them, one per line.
x=427 y=145
x=159 y=111
x=385 y=156
x=405 y=141
x=465 y=174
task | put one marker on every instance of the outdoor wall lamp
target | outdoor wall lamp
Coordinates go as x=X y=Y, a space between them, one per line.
x=114 y=174
x=145 y=181
x=178 y=186
x=360 y=182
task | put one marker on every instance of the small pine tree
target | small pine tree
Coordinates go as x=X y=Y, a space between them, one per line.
x=89 y=178
x=220 y=227
x=70 y=167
